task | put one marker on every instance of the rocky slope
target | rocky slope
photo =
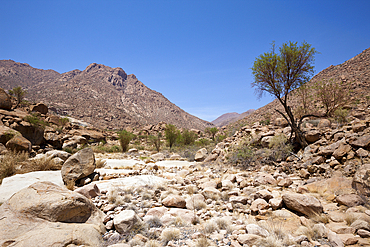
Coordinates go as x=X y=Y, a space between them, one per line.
x=355 y=70
x=103 y=96
x=229 y=118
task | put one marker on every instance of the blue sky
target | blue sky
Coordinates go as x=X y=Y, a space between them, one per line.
x=198 y=54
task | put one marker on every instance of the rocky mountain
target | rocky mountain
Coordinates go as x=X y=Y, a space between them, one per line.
x=356 y=71
x=232 y=117
x=103 y=96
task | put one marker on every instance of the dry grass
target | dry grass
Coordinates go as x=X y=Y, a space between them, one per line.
x=210 y=227
x=100 y=163
x=178 y=221
x=169 y=234
x=320 y=218
x=152 y=243
x=154 y=221
x=222 y=223
x=350 y=218
x=202 y=242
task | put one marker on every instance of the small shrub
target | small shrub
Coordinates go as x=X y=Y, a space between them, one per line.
x=222 y=223
x=187 y=137
x=212 y=132
x=125 y=137
x=340 y=115
x=171 y=134
x=280 y=149
x=350 y=218
x=9 y=163
x=152 y=243
x=202 y=142
x=35 y=120
x=203 y=242
x=63 y=121
x=155 y=222
x=199 y=204
x=100 y=163
x=156 y=141
x=169 y=234
x=210 y=227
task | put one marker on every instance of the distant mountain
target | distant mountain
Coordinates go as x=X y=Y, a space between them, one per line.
x=100 y=95
x=228 y=118
x=355 y=70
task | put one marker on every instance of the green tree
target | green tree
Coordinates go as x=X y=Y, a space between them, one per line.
x=18 y=93
x=171 y=134
x=124 y=138
x=280 y=73
x=212 y=132
x=187 y=137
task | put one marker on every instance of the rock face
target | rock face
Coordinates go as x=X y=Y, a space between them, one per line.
x=103 y=96
x=78 y=166
x=304 y=204
x=40 y=107
x=44 y=209
x=5 y=102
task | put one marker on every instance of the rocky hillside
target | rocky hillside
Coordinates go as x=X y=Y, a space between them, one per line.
x=232 y=117
x=355 y=70
x=103 y=96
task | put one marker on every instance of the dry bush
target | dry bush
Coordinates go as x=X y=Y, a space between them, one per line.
x=202 y=242
x=222 y=223
x=136 y=242
x=169 y=234
x=146 y=195
x=320 y=218
x=152 y=243
x=10 y=162
x=127 y=198
x=199 y=204
x=100 y=163
x=154 y=221
x=210 y=227
x=270 y=241
x=178 y=221
x=191 y=189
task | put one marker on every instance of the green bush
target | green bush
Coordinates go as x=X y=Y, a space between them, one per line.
x=202 y=142
x=212 y=132
x=340 y=115
x=36 y=121
x=171 y=134
x=124 y=138
x=187 y=137
x=63 y=121
x=242 y=154
x=279 y=147
x=156 y=141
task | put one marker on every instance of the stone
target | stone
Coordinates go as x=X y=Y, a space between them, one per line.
x=90 y=191
x=5 y=101
x=174 y=201
x=340 y=228
x=201 y=154
x=211 y=193
x=348 y=239
x=157 y=211
x=265 y=141
x=53 y=139
x=18 y=143
x=125 y=221
x=259 y=204
x=33 y=133
x=45 y=209
x=358 y=127
x=276 y=203
x=285 y=182
x=334 y=239
x=157 y=156
x=78 y=166
x=361 y=142
x=362 y=153
x=312 y=136
x=304 y=204
x=238 y=199
x=324 y=123
x=341 y=151
x=248 y=239
x=361 y=180
x=59 y=154
x=186 y=215
x=349 y=200
x=360 y=224
x=363 y=233
x=280 y=122
x=264 y=179
x=39 y=107
x=3 y=149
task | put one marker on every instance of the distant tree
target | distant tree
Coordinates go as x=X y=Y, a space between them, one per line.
x=187 y=137
x=212 y=132
x=280 y=73
x=171 y=134
x=332 y=95
x=156 y=141
x=124 y=138
x=18 y=93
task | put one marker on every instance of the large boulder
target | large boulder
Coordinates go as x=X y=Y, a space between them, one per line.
x=18 y=143
x=361 y=180
x=174 y=201
x=362 y=141
x=39 y=107
x=79 y=165
x=46 y=214
x=304 y=204
x=201 y=154
x=5 y=102
x=33 y=133
x=53 y=139
x=6 y=134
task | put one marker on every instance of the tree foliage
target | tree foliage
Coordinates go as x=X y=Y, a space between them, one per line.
x=212 y=132
x=171 y=134
x=18 y=93
x=280 y=73
x=124 y=138
x=156 y=141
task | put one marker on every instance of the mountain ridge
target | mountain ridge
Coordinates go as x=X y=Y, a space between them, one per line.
x=103 y=96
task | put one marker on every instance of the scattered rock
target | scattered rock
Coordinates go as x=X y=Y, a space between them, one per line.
x=304 y=204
